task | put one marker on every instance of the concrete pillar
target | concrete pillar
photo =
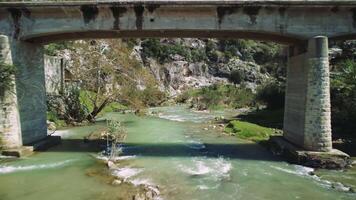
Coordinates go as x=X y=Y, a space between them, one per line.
x=31 y=91
x=307 y=121
x=318 y=108
x=10 y=130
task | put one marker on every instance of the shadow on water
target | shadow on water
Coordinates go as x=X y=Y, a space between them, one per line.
x=246 y=151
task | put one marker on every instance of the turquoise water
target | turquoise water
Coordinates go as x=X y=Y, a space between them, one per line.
x=171 y=151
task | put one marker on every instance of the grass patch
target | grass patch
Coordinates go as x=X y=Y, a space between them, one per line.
x=250 y=131
x=270 y=118
x=53 y=117
x=113 y=107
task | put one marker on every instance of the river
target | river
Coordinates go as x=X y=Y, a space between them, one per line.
x=171 y=151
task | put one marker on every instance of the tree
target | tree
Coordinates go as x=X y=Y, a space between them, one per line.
x=107 y=73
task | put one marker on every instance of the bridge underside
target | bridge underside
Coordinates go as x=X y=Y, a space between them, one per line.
x=25 y=28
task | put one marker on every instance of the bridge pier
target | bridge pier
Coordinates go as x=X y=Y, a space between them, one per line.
x=31 y=91
x=307 y=118
x=10 y=128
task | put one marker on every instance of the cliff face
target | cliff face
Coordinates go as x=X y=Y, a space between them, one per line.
x=181 y=64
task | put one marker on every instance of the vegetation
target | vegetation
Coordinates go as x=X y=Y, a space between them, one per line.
x=343 y=97
x=6 y=77
x=115 y=134
x=250 y=131
x=163 y=52
x=271 y=94
x=218 y=96
x=104 y=78
x=53 y=49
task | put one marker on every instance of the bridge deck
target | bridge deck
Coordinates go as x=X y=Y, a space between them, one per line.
x=184 y=2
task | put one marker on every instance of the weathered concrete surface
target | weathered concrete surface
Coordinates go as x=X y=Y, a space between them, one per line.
x=294 y=112
x=282 y=21
x=31 y=91
x=333 y=159
x=317 y=132
x=307 y=118
x=10 y=129
x=54 y=74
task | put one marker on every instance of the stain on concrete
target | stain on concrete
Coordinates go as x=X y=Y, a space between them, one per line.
x=139 y=9
x=151 y=8
x=16 y=16
x=252 y=12
x=117 y=12
x=223 y=11
x=26 y=12
x=335 y=9
x=282 y=11
x=89 y=13
x=353 y=10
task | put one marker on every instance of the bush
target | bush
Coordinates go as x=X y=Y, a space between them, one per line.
x=67 y=107
x=53 y=48
x=272 y=94
x=219 y=96
x=343 y=97
x=6 y=77
x=162 y=52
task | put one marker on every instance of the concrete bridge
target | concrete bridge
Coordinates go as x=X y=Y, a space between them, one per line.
x=304 y=25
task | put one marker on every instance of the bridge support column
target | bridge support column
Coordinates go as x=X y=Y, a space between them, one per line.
x=10 y=130
x=31 y=92
x=307 y=120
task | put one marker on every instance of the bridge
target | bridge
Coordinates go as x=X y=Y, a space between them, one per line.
x=305 y=26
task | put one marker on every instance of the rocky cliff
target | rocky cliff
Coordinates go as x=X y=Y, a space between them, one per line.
x=180 y=64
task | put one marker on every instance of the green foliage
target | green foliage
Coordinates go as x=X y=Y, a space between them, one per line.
x=67 y=107
x=219 y=96
x=53 y=117
x=343 y=97
x=152 y=96
x=75 y=110
x=250 y=131
x=113 y=107
x=272 y=94
x=6 y=77
x=52 y=49
x=115 y=134
x=162 y=52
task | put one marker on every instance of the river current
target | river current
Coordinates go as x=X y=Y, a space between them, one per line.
x=171 y=151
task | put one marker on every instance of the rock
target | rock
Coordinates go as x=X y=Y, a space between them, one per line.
x=340 y=187
x=149 y=195
x=139 y=197
x=116 y=182
x=353 y=163
x=205 y=129
x=111 y=165
x=51 y=125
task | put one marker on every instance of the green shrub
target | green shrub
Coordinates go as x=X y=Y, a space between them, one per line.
x=343 y=98
x=272 y=94
x=219 y=96
x=52 y=49
x=53 y=117
x=6 y=77
x=162 y=52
